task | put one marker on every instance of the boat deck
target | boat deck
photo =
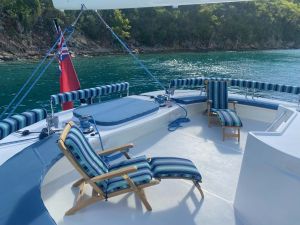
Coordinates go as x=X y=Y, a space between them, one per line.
x=173 y=201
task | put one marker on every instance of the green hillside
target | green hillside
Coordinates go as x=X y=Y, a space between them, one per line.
x=26 y=27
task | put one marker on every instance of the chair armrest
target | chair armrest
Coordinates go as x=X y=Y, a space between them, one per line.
x=115 y=173
x=113 y=150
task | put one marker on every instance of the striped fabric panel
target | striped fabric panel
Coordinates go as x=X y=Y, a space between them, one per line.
x=19 y=121
x=89 y=93
x=263 y=86
x=229 y=118
x=188 y=82
x=171 y=167
x=85 y=156
x=218 y=94
x=142 y=176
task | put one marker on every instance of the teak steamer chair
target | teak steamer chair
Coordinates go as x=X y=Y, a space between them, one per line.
x=131 y=175
x=217 y=105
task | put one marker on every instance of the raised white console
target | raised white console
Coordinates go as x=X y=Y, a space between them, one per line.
x=268 y=190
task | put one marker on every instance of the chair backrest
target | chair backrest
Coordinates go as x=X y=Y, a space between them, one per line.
x=217 y=92
x=88 y=163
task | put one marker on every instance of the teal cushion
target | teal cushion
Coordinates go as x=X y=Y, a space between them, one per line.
x=228 y=118
x=142 y=176
x=171 y=167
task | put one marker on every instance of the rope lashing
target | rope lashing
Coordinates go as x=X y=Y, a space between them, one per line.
x=125 y=46
x=71 y=31
x=29 y=79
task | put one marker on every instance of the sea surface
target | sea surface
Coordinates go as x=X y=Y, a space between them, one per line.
x=276 y=66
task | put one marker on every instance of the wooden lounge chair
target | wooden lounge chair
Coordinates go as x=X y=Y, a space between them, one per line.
x=217 y=105
x=131 y=175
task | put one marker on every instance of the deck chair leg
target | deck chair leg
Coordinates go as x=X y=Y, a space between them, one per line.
x=81 y=192
x=142 y=195
x=199 y=188
x=239 y=134
x=82 y=204
x=78 y=183
x=139 y=192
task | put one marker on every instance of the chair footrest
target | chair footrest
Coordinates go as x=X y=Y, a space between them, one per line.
x=171 y=167
x=228 y=118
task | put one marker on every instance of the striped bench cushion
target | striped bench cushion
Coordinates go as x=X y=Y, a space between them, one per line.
x=228 y=118
x=19 y=121
x=85 y=156
x=171 y=167
x=262 y=86
x=89 y=93
x=187 y=82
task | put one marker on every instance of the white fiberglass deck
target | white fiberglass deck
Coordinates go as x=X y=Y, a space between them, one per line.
x=173 y=201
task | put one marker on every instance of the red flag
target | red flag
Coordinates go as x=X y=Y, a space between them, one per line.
x=68 y=78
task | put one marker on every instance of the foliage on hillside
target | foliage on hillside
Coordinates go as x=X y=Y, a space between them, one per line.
x=243 y=25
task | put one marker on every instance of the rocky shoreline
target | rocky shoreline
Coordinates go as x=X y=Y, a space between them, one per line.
x=34 y=48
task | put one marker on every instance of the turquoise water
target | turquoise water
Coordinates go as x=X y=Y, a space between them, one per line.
x=280 y=66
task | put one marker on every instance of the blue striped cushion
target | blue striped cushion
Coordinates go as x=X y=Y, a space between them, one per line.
x=228 y=117
x=89 y=93
x=85 y=156
x=171 y=167
x=188 y=82
x=263 y=86
x=142 y=176
x=218 y=94
x=19 y=121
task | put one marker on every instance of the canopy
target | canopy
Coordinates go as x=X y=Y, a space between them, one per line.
x=126 y=4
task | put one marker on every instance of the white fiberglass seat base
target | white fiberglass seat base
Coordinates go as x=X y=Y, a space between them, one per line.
x=173 y=201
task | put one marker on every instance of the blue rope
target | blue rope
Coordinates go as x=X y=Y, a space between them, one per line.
x=130 y=52
x=18 y=141
x=177 y=123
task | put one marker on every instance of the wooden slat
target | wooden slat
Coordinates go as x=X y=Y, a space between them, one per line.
x=116 y=149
